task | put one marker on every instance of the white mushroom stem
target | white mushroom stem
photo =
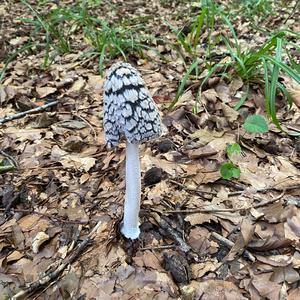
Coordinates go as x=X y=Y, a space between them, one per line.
x=130 y=227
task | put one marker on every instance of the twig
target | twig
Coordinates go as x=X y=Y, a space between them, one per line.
x=230 y=244
x=292 y=12
x=158 y=247
x=217 y=210
x=267 y=202
x=27 y=112
x=49 y=277
x=51 y=217
x=88 y=123
x=191 y=189
x=236 y=193
x=162 y=221
x=203 y=210
x=271 y=188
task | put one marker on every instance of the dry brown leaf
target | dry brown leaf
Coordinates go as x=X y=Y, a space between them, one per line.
x=24 y=134
x=38 y=240
x=295 y=94
x=243 y=239
x=285 y=274
x=223 y=92
x=19 y=40
x=294 y=294
x=292 y=226
x=77 y=86
x=185 y=98
x=274 y=212
x=151 y=261
x=96 y=83
x=200 y=218
x=265 y=287
x=45 y=91
x=201 y=269
x=235 y=85
x=172 y=168
x=15 y=255
x=199 y=240
x=230 y=113
x=201 y=152
x=216 y=289
x=28 y=222
x=211 y=95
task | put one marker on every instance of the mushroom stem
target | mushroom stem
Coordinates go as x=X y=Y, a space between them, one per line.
x=130 y=227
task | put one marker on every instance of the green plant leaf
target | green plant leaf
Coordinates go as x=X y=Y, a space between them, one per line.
x=183 y=82
x=256 y=124
x=229 y=170
x=6 y=166
x=233 y=148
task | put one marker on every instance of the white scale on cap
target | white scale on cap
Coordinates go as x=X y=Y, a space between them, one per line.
x=129 y=109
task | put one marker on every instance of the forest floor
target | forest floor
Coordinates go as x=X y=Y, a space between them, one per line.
x=206 y=234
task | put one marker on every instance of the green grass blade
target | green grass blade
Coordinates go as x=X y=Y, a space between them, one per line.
x=243 y=98
x=285 y=93
x=267 y=84
x=273 y=86
x=198 y=26
x=289 y=71
x=183 y=83
x=12 y=57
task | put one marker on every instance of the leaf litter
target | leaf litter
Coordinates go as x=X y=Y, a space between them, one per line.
x=202 y=236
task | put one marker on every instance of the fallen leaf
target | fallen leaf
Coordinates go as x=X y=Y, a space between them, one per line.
x=45 y=91
x=38 y=240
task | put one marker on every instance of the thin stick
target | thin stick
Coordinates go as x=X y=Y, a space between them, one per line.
x=158 y=247
x=49 y=277
x=203 y=210
x=217 y=210
x=236 y=193
x=230 y=244
x=292 y=12
x=171 y=232
x=86 y=122
x=51 y=217
x=27 y=112
x=191 y=189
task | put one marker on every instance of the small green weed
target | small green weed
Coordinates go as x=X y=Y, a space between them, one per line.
x=110 y=42
x=254 y=10
x=254 y=66
x=253 y=124
x=228 y=169
x=28 y=46
x=55 y=30
x=6 y=165
x=256 y=124
x=56 y=34
x=189 y=37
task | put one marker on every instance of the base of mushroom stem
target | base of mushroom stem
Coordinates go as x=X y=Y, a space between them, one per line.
x=130 y=233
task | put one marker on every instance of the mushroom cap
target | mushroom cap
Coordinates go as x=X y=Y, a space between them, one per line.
x=129 y=109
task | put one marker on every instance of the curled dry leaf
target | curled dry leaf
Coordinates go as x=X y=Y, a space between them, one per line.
x=230 y=113
x=45 y=91
x=38 y=240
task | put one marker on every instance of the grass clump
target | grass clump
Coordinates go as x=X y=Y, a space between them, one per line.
x=112 y=41
x=254 y=10
x=75 y=28
x=262 y=65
